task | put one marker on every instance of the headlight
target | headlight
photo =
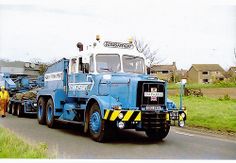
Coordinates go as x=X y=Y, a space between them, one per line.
x=121 y=125
x=35 y=104
x=121 y=115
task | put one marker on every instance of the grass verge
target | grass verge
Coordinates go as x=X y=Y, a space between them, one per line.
x=210 y=113
x=12 y=146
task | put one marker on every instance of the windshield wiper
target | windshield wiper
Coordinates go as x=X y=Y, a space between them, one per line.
x=107 y=69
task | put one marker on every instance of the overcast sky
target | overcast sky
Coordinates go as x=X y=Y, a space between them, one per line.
x=186 y=33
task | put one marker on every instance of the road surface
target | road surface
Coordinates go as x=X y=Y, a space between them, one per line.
x=70 y=142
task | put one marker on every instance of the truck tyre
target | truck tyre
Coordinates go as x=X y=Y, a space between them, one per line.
x=50 y=120
x=41 y=112
x=13 y=109
x=96 y=124
x=19 y=111
x=158 y=134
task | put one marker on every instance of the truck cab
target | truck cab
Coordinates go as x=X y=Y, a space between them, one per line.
x=104 y=87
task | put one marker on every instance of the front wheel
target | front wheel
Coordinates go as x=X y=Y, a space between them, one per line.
x=158 y=134
x=41 y=112
x=96 y=124
x=50 y=120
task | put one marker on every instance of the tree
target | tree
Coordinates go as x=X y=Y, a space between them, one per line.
x=42 y=68
x=36 y=60
x=151 y=55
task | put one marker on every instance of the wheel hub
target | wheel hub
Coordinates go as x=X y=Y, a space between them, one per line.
x=95 y=122
x=49 y=116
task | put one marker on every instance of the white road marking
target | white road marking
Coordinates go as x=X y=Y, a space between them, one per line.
x=184 y=133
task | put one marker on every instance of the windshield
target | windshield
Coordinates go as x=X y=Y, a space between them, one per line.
x=108 y=63
x=133 y=64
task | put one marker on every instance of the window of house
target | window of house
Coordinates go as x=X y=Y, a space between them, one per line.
x=165 y=72
x=204 y=72
x=205 y=80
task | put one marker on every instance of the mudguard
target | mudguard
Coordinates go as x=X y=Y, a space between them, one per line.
x=105 y=102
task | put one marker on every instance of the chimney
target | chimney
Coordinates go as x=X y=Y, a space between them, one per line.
x=174 y=63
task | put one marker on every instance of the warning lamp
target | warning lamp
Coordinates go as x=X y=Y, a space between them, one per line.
x=130 y=40
x=98 y=37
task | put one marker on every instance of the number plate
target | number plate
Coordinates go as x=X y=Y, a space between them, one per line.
x=152 y=108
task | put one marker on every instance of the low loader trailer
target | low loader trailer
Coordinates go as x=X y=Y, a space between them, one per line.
x=22 y=104
x=22 y=107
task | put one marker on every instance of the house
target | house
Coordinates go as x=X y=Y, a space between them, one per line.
x=16 y=68
x=232 y=71
x=164 y=72
x=205 y=73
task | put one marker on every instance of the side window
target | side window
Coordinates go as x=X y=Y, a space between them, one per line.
x=91 y=68
x=80 y=67
x=73 y=65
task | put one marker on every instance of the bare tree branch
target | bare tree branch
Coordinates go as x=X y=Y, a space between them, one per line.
x=147 y=52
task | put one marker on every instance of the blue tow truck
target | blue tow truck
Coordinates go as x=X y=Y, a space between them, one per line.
x=102 y=88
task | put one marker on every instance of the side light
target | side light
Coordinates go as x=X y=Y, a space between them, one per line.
x=116 y=107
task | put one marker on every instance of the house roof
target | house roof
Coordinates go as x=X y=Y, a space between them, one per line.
x=163 y=67
x=11 y=64
x=232 y=69
x=207 y=67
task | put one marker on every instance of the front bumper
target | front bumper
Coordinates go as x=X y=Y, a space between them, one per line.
x=137 y=119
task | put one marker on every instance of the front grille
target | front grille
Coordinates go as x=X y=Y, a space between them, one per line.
x=153 y=120
x=150 y=87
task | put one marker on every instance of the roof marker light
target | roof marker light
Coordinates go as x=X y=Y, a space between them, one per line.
x=98 y=37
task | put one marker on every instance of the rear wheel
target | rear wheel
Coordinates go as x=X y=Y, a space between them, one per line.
x=19 y=111
x=41 y=112
x=50 y=120
x=9 y=108
x=158 y=134
x=96 y=124
x=14 y=108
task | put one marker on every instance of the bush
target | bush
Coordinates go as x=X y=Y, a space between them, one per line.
x=225 y=98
